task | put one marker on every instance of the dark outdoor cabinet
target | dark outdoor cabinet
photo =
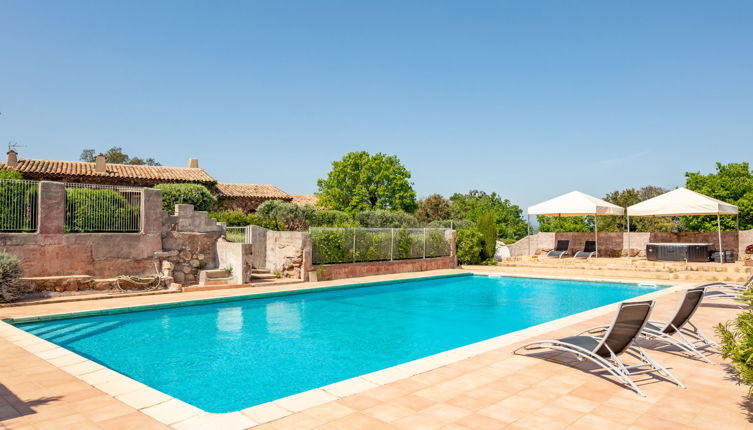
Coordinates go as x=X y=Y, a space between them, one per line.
x=678 y=251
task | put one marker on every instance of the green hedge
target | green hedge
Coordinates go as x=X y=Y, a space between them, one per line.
x=100 y=210
x=332 y=246
x=239 y=219
x=192 y=194
x=18 y=211
x=386 y=219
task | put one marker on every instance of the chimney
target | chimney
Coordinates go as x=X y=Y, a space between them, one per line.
x=193 y=163
x=12 y=158
x=100 y=166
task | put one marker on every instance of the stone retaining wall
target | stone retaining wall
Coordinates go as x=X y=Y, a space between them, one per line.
x=351 y=270
x=615 y=244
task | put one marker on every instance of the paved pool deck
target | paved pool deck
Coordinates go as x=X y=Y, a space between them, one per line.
x=481 y=387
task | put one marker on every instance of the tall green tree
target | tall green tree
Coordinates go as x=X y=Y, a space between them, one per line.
x=732 y=183
x=487 y=226
x=115 y=155
x=433 y=208
x=509 y=217
x=361 y=182
x=629 y=197
x=565 y=223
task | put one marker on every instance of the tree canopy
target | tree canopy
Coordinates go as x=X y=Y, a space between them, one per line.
x=565 y=223
x=361 y=182
x=629 y=197
x=472 y=205
x=115 y=155
x=433 y=208
x=732 y=183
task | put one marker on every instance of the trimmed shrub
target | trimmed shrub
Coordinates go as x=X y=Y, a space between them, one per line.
x=191 y=194
x=10 y=174
x=469 y=246
x=330 y=218
x=386 y=219
x=10 y=273
x=95 y=210
x=239 y=219
x=286 y=214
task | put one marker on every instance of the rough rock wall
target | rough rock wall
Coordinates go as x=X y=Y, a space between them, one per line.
x=285 y=252
x=189 y=241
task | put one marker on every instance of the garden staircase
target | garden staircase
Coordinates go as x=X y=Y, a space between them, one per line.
x=638 y=268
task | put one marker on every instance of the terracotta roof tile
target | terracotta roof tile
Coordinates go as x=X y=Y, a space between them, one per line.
x=125 y=171
x=263 y=191
x=305 y=199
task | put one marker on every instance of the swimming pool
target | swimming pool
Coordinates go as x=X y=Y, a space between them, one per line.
x=231 y=355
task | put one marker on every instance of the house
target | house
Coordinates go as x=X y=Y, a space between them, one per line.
x=247 y=197
x=101 y=172
x=305 y=199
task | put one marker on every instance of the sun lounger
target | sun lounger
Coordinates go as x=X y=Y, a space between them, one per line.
x=560 y=250
x=589 y=249
x=619 y=338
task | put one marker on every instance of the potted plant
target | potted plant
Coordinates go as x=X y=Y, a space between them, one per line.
x=748 y=255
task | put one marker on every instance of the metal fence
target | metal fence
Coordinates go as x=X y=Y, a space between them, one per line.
x=19 y=203
x=238 y=234
x=94 y=208
x=351 y=245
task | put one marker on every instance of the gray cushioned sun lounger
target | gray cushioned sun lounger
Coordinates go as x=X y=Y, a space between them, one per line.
x=589 y=249
x=560 y=250
x=679 y=331
x=619 y=338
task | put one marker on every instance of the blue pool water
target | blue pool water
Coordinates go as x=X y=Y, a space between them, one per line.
x=224 y=357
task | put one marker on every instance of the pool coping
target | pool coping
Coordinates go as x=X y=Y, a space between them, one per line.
x=181 y=415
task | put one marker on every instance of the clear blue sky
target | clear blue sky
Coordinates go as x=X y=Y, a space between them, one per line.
x=529 y=99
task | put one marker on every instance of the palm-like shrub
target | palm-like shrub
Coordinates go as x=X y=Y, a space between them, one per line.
x=737 y=342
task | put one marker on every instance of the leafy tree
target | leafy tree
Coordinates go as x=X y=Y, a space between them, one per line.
x=488 y=229
x=732 y=183
x=629 y=197
x=565 y=223
x=361 y=182
x=433 y=208
x=455 y=224
x=470 y=206
x=115 y=155
x=194 y=194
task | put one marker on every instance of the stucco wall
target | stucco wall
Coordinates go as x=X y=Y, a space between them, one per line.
x=285 y=252
x=235 y=255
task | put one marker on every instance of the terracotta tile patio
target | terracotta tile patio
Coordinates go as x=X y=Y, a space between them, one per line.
x=492 y=390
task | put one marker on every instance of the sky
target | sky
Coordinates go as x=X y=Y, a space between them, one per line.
x=530 y=99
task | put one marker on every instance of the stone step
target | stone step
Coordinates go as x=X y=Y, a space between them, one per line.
x=219 y=281
x=216 y=273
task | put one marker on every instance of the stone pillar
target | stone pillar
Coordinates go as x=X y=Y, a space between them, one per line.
x=307 y=264
x=151 y=211
x=452 y=236
x=51 y=208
